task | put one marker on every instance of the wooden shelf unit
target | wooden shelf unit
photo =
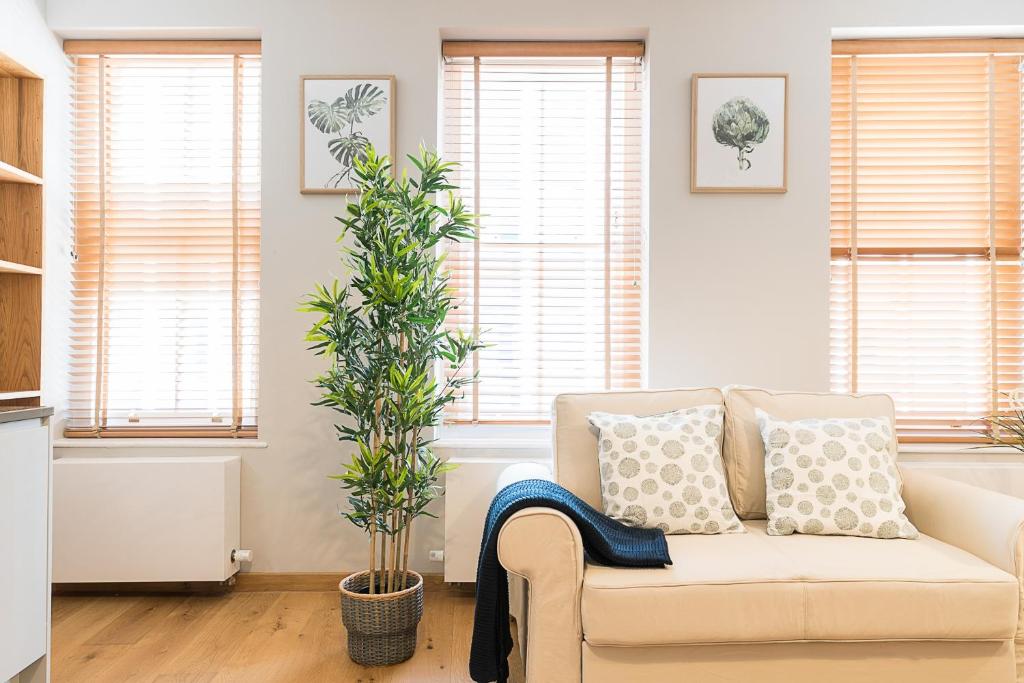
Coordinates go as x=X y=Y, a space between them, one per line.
x=13 y=174
x=9 y=267
x=21 y=233
x=16 y=395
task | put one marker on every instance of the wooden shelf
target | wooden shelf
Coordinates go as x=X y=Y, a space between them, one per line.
x=21 y=234
x=14 y=395
x=13 y=174
x=11 y=267
x=11 y=69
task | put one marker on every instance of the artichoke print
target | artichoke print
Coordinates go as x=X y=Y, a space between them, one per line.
x=339 y=120
x=741 y=124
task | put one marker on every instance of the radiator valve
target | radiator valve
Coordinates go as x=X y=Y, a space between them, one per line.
x=241 y=556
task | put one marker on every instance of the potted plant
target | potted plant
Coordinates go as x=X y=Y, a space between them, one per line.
x=384 y=335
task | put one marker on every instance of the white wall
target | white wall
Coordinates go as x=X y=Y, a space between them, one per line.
x=738 y=284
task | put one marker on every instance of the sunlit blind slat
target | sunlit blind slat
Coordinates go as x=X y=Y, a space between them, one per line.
x=165 y=301
x=550 y=155
x=926 y=295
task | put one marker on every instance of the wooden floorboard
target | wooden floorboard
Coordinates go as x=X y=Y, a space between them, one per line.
x=250 y=637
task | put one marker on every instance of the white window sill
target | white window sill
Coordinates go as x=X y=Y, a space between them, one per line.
x=954 y=453
x=492 y=445
x=159 y=443
x=484 y=439
x=493 y=449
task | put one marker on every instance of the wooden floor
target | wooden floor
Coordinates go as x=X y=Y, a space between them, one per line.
x=245 y=636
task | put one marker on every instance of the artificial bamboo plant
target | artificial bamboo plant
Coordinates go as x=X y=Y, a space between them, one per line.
x=394 y=365
x=1006 y=427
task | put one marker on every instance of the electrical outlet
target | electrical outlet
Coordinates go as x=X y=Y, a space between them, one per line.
x=437 y=556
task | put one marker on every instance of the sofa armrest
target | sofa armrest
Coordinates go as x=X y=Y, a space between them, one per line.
x=985 y=523
x=518 y=593
x=544 y=547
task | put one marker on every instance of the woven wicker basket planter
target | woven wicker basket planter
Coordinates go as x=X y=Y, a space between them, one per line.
x=381 y=628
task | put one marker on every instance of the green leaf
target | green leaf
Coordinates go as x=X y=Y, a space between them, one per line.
x=326 y=118
x=363 y=101
x=348 y=148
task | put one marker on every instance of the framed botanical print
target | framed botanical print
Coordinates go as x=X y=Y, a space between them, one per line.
x=341 y=117
x=738 y=132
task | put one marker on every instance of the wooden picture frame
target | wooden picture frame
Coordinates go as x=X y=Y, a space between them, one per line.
x=312 y=174
x=710 y=167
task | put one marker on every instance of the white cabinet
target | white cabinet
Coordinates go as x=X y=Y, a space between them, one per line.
x=24 y=549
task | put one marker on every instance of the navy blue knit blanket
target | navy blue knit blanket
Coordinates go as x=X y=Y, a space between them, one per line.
x=605 y=541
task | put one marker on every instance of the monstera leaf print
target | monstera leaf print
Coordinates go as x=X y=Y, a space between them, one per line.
x=362 y=102
x=327 y=118
x=349 y=148
x=339 y=119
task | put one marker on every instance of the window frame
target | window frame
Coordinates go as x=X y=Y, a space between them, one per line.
x=993 y=253
x=235 y=429
x=478 y=50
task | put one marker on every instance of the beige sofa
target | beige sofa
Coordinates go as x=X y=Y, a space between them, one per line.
x=765 y=609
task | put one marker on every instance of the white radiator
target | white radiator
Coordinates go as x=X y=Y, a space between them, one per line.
x=469 y=489
x=145 y=519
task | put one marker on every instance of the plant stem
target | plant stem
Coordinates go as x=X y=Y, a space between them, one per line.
x=373 y=551
x=409 y=508
x=393 y=569
x=336 y=175
x=394 y=560
x=373 y=507
x=405 y=550
x=383 y=565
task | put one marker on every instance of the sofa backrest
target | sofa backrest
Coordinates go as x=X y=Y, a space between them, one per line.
x=575 y=441
x=743 y=451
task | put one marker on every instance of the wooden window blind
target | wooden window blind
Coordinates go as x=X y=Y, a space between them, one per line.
x=927 y=293
x=166 y=189
x=549 y=141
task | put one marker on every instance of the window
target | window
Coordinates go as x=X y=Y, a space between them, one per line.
x=927 y=295
x=166 y=148
x=549 y=141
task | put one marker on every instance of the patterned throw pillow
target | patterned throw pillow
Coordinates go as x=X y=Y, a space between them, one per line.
x=666 y=471
x=832 y=476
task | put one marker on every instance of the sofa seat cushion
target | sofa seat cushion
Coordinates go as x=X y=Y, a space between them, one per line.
x=758 y=588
